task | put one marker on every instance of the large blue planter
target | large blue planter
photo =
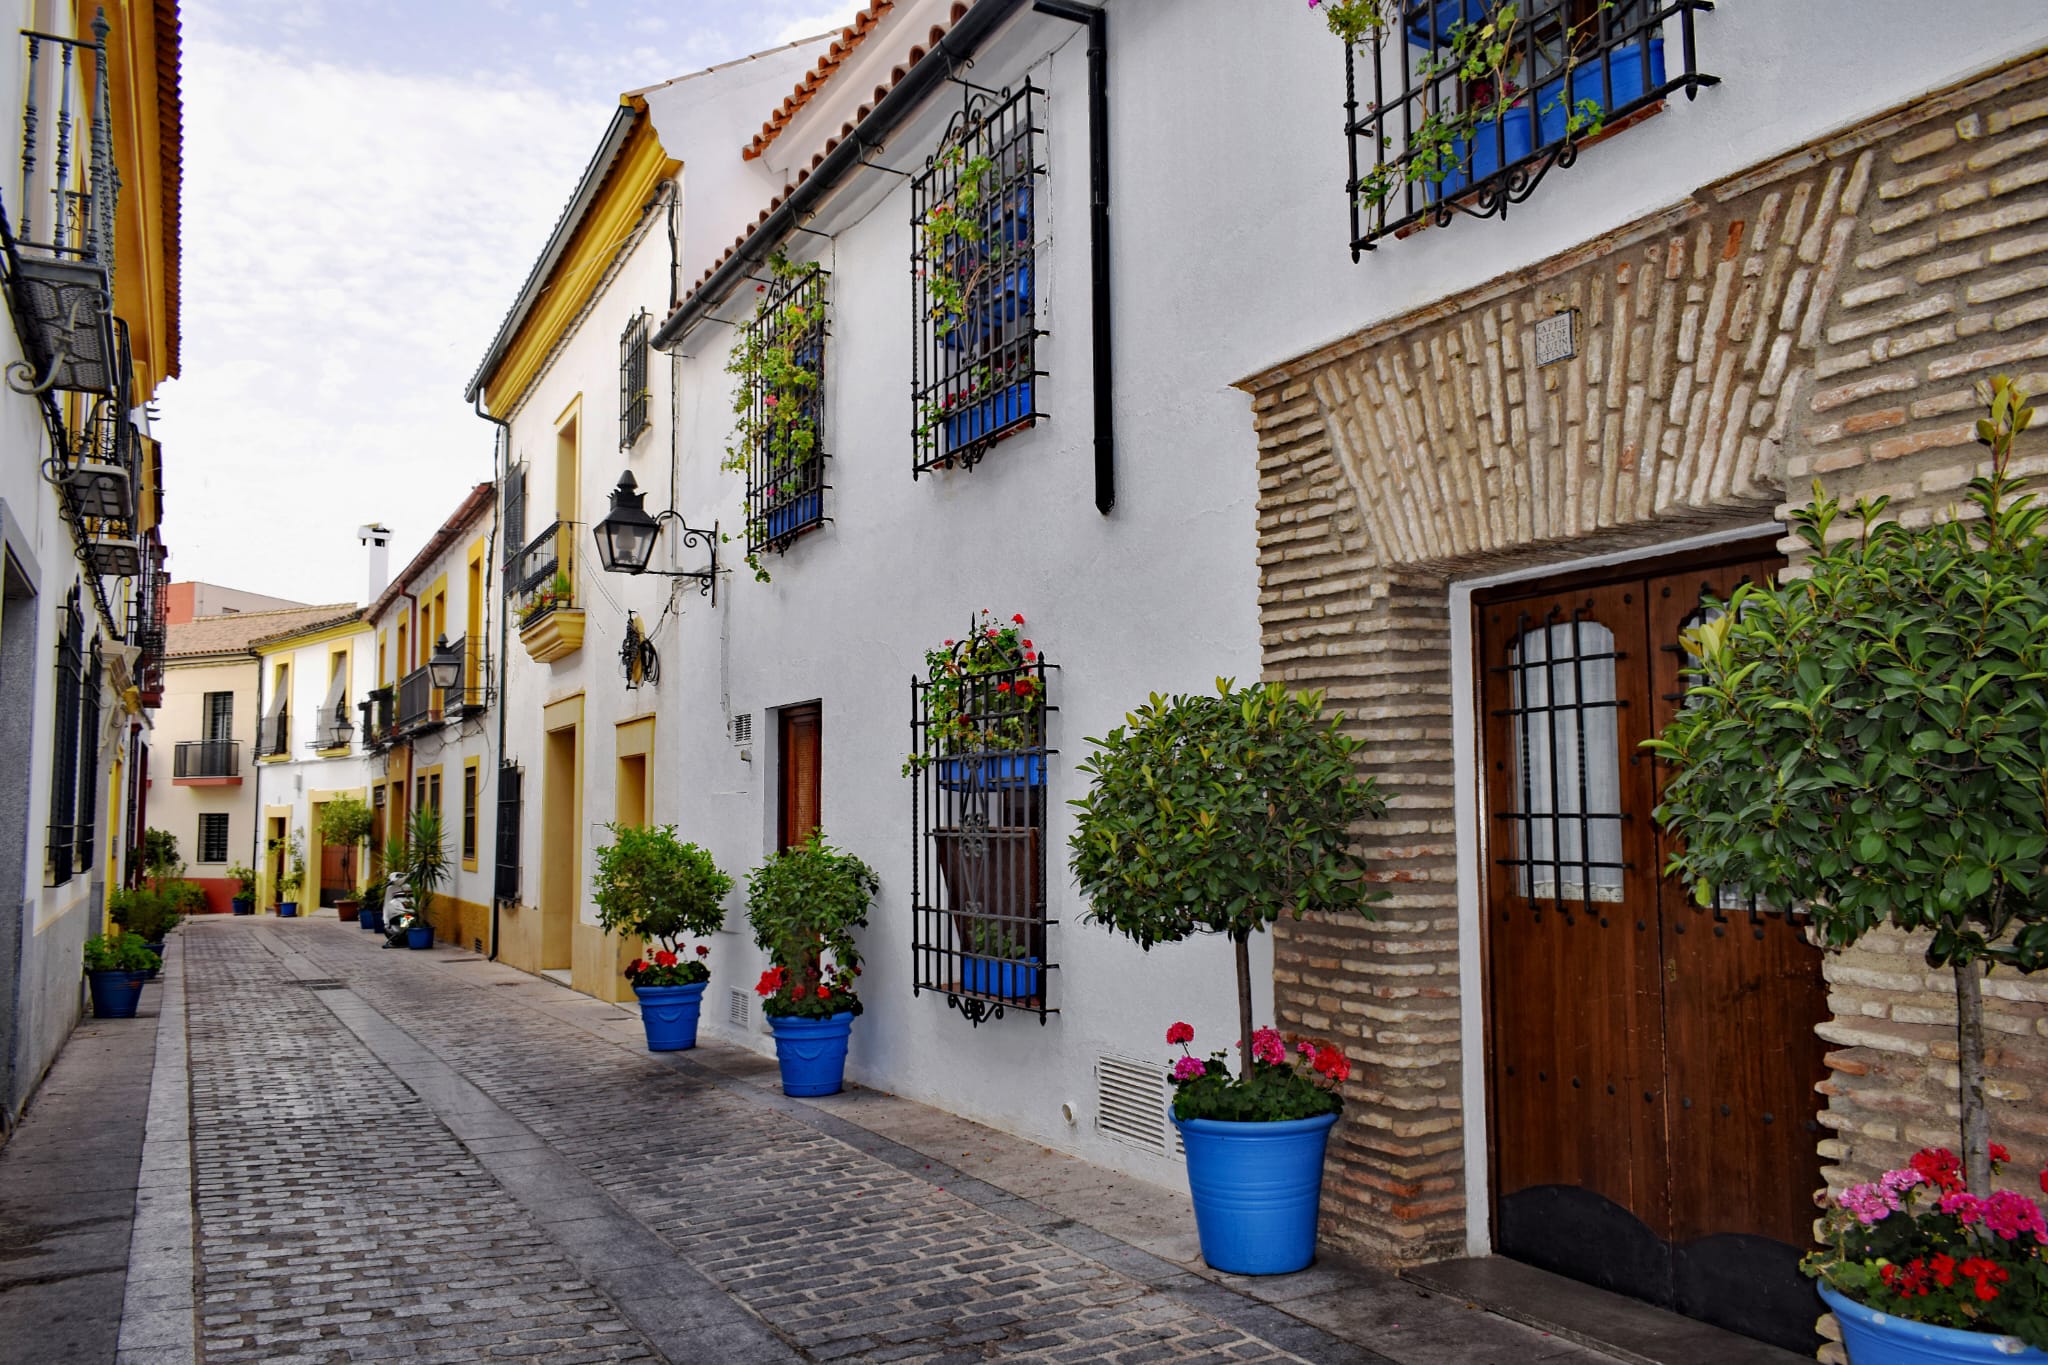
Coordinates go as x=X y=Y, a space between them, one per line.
x=1256 y=1188
x=1624 y=64
x=288 y=909
x=1000 y=409
x=242 y=905
x=1012 y=980
x=669 y=1014
x=158 y=949
x=812 y=1053
x=373 y=920
x=1486 y=154
x=115 y=994
x=1875 y=1338
x=420 y=936
x=987 y=771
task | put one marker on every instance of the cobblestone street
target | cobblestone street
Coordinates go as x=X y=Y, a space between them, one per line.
x=426 y=1156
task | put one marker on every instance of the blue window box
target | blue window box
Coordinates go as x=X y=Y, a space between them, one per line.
x=1001 y=977
x=1486 y=155
x=795 y=514
x=1626 y=65
x=1003 y=408
x=984 y=772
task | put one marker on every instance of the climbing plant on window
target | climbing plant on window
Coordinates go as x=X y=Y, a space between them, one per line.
x=779 y=409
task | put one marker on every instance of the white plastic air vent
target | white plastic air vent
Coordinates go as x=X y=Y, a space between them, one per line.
x=736 y=1008
x=743 y=728
x=1131 y=1100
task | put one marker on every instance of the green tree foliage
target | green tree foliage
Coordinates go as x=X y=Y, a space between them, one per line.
x=651 y=884
x=804 y=904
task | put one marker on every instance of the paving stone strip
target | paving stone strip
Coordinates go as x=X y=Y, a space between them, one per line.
x=848 y=1255
x=339 y=1219
x=157 y=1310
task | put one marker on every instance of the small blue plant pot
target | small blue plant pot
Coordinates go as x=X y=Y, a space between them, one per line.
x=1004 y=408
x=812 y=1053
x=420 y=936
x=287 y=909
x=669 y=1014
x=1875 y=1338
x=157 y=948
x=1487 y=147
x=1256 y=1188
x=1008 y=979
x=988 y=771
x=242 y=905
x=794 y=515
x=373 y=920
x=1624 y=70
x=115 y=994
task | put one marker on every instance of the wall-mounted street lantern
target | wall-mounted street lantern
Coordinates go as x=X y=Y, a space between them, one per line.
x=626 y=537
x=444 y=669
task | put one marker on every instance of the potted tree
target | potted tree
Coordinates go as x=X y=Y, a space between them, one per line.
x=652 y=885
x=804 y=904
x=116 y=964
x=243 y=902
x=1218 y=815
x=293 y=875
x=345 y=821
x=426 y=867
x=1866 y=742
x=147 y=916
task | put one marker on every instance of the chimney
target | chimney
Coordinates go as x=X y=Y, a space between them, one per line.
x=378 y=537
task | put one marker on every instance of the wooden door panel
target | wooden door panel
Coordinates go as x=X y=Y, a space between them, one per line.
x=800 y=776
x=1575 y=1017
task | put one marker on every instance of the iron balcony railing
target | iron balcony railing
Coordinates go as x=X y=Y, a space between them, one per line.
x=59 y=231
x=379 y=713
x=472 y=689
x=419 y=702
x=208 y=758
x=334 y=729
x=274 y=734
x=539 y=579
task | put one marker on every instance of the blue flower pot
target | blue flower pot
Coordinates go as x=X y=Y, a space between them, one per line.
x=372 y=920
x=987 y=771
x=812 y=1053
x=1011 y=980
x=1003 y=408
x=288 y=909
x=1256 y=1188
x=1875 y=1338
x=157 y=948
x=420 y=936
x=1624 y=65
x=669 y=1014
x=242 y=905
x=115 y=994
x=1486 y=154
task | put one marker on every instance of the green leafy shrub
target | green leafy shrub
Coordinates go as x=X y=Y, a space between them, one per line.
x=346 y=822
x=1220 y=814
x=652 y=885
x=804 y=904
x=425 y=859
x=144 y=913
x=1868 y=741
x=115 y=951
x=244 y=878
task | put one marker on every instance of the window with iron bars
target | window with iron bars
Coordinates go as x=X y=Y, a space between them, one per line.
x=62 y=848
x=973 y=280
x=1463 y=106
x=779 y=432
x=633 y=392
x=506 y=884
x=978 y=808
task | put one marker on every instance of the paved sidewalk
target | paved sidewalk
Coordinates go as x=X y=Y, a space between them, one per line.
x=427 y=1156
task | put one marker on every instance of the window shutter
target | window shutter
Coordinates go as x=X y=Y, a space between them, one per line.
x=515 y=516
x=88 y=755
x=509 y=810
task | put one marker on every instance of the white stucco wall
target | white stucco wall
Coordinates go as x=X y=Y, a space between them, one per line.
x=305 y=773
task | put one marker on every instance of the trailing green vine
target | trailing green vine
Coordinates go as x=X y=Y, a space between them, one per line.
x=777 y=361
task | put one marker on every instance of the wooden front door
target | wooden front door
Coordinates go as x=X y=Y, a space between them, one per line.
x=800 y=778
x=1651 y=1063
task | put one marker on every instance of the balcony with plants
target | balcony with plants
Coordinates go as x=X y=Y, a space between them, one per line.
x=1464 y=106
x=973 y=260
x=541 y=584
x=979 y=759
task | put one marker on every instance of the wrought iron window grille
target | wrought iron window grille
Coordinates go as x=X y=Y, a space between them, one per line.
x=505 y=886
x=633 y=391
x=536 y=577
x=979 y=765
x=1469 y=104
x=974 y=367
x=784 y=406
x=88 y=755
x=62 y=846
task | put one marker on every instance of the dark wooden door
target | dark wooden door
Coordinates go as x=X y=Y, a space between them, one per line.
x=800 y=739
x=1651 y=1065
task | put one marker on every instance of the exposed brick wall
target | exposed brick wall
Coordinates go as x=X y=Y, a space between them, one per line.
x=1822 y=315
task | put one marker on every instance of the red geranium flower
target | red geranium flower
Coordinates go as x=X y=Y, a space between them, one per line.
x=636 y=966
x=797 y=992
x=1999 y=1153
x=665 y=958
x=1018 y=618
x=770 y=982
x=703 y=951
x=1181 y=1033
x=1939 y=1167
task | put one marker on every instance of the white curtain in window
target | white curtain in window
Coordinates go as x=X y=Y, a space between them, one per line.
x=1568 y=763
x=334 y=726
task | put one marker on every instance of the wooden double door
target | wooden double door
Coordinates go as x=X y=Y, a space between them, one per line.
x=1653 y=1121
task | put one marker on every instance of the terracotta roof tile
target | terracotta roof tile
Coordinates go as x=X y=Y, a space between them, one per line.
x=234 y=632
x=850 y=38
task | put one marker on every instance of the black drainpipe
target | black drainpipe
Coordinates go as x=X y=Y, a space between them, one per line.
x=1098 y=235
x=503 y=439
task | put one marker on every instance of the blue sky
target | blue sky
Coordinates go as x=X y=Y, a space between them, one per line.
x=366 y=185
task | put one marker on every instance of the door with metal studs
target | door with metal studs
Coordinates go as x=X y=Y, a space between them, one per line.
x=1651 y=1062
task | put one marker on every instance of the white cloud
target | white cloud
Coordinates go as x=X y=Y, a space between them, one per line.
x=352 y=240
x=824 y=21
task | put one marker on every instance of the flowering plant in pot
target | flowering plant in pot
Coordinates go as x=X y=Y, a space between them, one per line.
x=243 y=902
x=653 y=886
x=1916 y=1244
x=116 y=965
x=1218 y=814
x=1865 y=742
x=983 y=704
x=291 y=872
x=804 y=904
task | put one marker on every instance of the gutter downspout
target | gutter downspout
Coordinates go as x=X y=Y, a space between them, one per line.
x=256 y=825
x=1098 y=236
x=500 y=445
x=903 y=100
